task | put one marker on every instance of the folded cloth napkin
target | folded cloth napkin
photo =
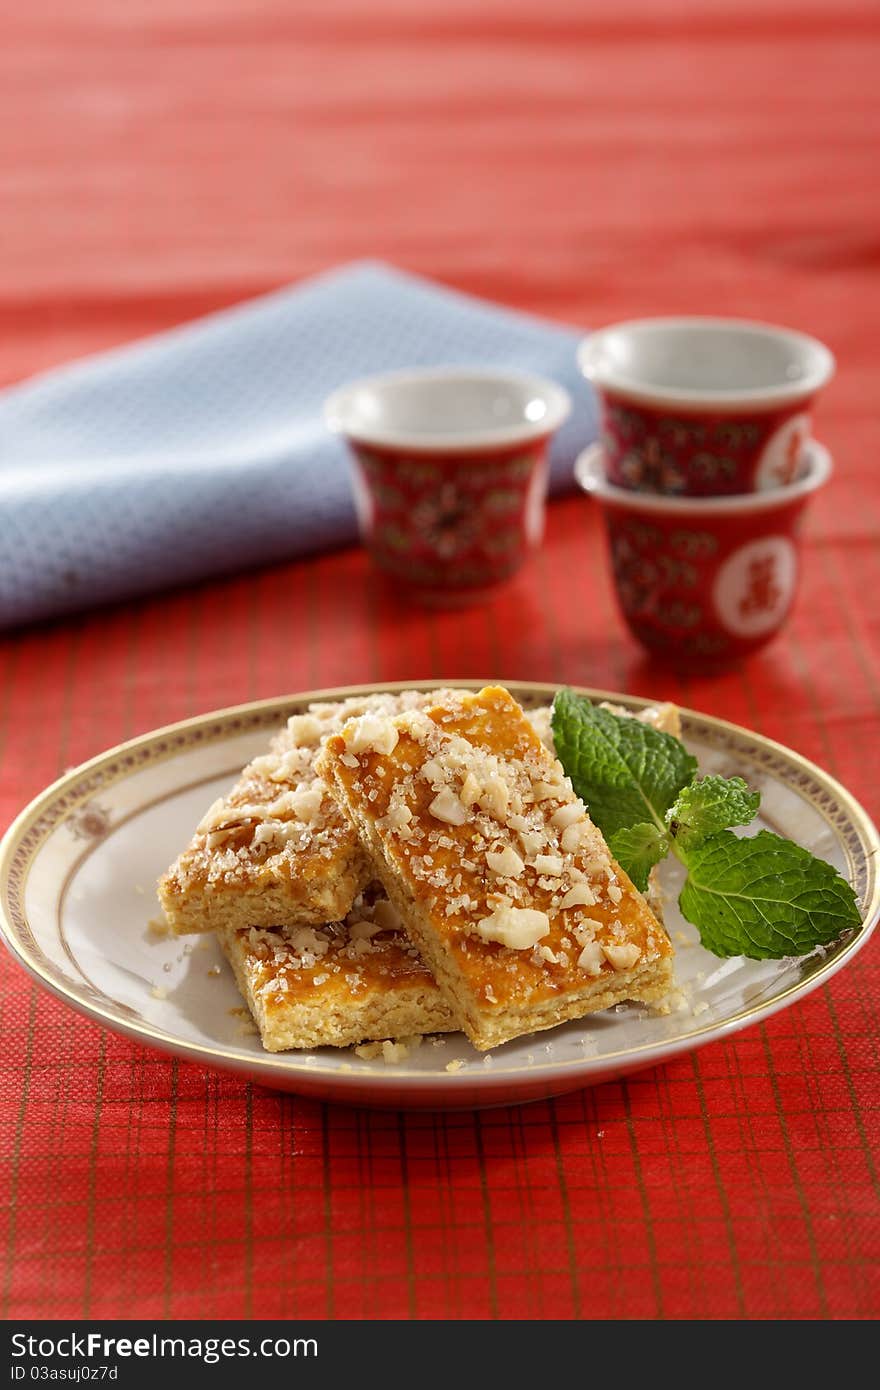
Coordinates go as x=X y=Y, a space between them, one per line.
x=203 y=450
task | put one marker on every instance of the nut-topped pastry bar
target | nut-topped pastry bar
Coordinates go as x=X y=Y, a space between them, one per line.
x=336 y=985
x=276 y=851
x=502 y=881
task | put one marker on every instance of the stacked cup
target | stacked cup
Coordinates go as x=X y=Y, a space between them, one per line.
x=705 y=466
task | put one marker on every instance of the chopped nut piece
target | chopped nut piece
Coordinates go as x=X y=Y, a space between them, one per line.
x=572 y=836
x=447 y=807
x=541 y=722
x=214 y=816
x=519 y=928
x=387 y=916
x=545 y=954
x=544 y=791
x=371 y=733
x=507 y=863
x=471 y=790
x=305 y=730
x=497 y=900
x=531 y=841
x=622 y=956
x=590 y=958
x=305 y=802
x=432 y=772
x=568 y=815
x=362 y=931
x=495 y=798
x=579 y=895
x=550 y=864
x=586 y=929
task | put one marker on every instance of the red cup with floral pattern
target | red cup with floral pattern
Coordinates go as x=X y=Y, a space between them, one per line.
x=704 y=581
x=703 y=407
x=450 y=474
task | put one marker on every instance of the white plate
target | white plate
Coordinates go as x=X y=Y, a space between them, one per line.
x=77 y=876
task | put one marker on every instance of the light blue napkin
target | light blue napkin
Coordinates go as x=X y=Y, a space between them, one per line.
x=202 y=450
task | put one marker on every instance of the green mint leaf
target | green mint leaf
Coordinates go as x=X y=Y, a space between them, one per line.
x=638 y=850
x=708 y=805
x=627 y=772
x=763 y=897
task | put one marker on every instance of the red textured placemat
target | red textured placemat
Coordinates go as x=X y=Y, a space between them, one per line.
x=573 y=165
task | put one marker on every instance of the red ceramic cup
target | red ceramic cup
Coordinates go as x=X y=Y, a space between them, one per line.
x=450 y=474
x=700 y=407
x=704 y=581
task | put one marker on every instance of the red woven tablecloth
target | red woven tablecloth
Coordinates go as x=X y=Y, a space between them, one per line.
x=164 y=157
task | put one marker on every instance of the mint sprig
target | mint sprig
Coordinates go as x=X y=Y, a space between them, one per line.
x=626 y=771
x=639 y=849
x=764 y=897
x=708 y=805
x=760 y=896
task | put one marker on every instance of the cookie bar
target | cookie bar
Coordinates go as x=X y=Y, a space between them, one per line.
x=275 y=851
x=336 y=985
x=501 y=879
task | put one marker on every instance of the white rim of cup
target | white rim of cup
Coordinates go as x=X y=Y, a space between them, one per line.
x=738 y=399
x=589 y=470
x=556 y=397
